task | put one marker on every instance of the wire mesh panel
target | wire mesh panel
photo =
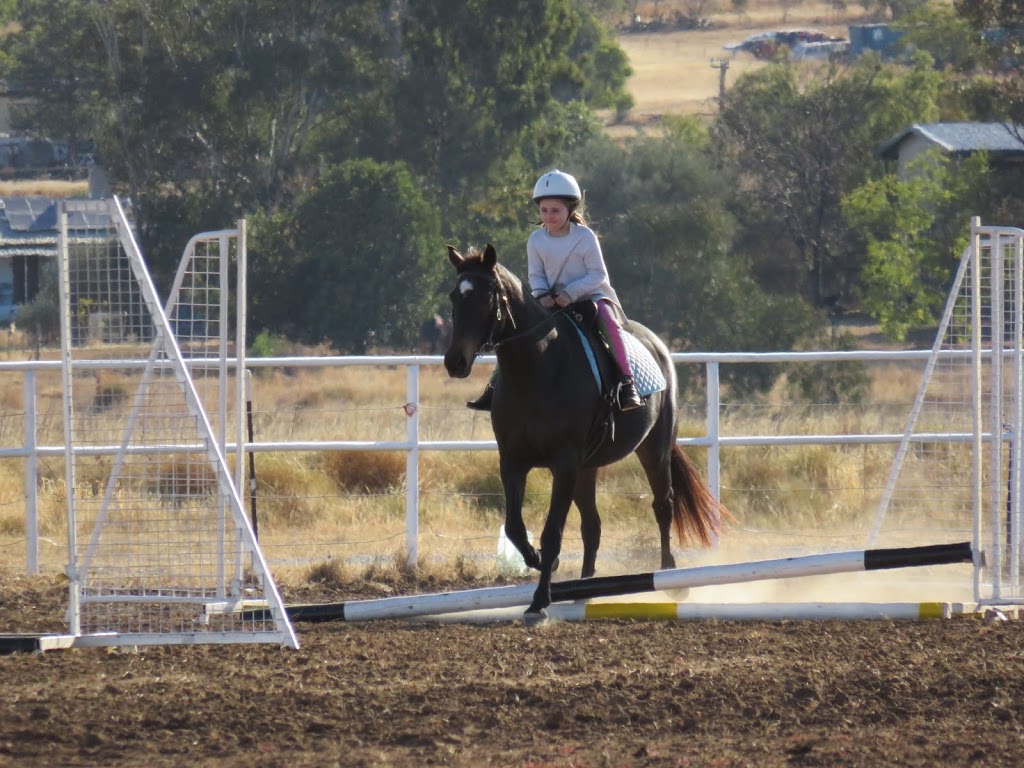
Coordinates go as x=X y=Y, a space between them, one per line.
x=198 y=310
x=160 y=550
x=955 y=469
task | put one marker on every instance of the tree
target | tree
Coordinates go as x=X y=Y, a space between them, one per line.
x=55 y=58
x=225 y=101
x=797 y=148
x=477 y=75
x=949 y=39
x=362 y=255
x=1002 y=25
x=915 y=228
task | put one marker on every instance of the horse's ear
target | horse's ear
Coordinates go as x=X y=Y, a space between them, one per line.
x=490 y=256
x=455 y=257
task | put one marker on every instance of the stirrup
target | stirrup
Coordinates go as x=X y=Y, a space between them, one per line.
x=482 y=403
x=627 y=396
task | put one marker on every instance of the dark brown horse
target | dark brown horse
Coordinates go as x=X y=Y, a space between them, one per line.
x=547 y=410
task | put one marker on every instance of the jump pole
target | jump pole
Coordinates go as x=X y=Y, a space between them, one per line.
x=842 y=611
x=754 y=611
x=489 y=598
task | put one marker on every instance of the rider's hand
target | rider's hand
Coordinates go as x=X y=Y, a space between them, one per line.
x=563 y=299
x=547 y=301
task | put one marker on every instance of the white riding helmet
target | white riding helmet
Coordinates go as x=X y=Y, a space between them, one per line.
x=557 y=184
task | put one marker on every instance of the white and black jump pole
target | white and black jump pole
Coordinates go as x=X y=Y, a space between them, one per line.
x=610 y=586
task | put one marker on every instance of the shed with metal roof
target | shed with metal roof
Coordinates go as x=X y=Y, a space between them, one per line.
x=1002 y=142
x=28 y=240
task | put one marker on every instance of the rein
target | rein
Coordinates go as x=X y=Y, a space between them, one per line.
x=503 y=299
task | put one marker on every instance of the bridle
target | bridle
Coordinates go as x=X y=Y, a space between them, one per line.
x=497 y=320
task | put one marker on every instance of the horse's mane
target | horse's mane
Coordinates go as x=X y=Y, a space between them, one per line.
x=506 y=278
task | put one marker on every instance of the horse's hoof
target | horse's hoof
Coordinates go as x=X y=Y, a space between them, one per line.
x=535 y=618
x=678 y=595
x=554 y=565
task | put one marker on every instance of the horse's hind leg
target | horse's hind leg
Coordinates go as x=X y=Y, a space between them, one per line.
x=658 y=469
x=585 y=496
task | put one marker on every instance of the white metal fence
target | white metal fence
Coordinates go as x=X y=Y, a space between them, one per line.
x=25 y=443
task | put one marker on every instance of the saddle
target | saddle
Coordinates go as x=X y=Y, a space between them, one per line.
x=584 y=316
x=646 y=372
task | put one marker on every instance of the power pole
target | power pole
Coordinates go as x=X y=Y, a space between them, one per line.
x=722 y=65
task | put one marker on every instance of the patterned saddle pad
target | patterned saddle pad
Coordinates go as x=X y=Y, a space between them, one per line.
x=646 y=372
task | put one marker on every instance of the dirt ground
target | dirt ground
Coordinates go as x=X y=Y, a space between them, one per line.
x=613 y=693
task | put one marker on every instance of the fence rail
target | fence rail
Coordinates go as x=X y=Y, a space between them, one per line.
x=712 y=441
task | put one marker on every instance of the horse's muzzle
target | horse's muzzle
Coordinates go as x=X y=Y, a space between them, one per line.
x=458 y=364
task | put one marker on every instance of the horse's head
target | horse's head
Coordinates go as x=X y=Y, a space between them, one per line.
x=476 y=307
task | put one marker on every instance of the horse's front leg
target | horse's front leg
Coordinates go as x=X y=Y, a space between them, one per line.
x=513 y=479
x=551 y=539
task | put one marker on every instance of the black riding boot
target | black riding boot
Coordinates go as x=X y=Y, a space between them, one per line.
x=483 y=403
x=629 y=398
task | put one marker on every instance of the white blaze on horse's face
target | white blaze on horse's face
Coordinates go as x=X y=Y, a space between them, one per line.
x=465 y=286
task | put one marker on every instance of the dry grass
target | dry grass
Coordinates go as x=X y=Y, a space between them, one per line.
x=44 y=188
x=674 y=72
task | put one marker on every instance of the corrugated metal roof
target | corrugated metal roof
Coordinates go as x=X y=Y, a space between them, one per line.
x=28 y=221
x=960 y=138
x=972 y=137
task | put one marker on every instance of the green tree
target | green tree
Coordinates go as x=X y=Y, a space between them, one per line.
x=478 y=75
x=220 y=94
x=364 y=256
x=1002 y=25
x=54 y=57
x=949 y=39
x=797 y=148
x=915 y=228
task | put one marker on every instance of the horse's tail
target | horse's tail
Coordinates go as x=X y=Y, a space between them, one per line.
x=698 y=515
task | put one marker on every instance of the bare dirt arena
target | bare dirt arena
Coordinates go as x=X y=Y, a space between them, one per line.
x=601 y=693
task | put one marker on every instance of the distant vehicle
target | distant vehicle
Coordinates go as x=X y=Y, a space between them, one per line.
x=765 y=45
x=880 y=38
x=822 y=50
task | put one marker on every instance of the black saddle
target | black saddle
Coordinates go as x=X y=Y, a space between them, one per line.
x=584 y=314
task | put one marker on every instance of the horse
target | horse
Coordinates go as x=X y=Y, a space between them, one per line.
x=548 y=412
x=434 y=334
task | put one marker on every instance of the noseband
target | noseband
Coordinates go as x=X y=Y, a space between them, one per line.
x=501 y=300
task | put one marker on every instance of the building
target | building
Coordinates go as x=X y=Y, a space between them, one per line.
x=28 y=241
x=1004 y=144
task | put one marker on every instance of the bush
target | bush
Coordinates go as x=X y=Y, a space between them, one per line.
x=367 y=471
x=826 y=382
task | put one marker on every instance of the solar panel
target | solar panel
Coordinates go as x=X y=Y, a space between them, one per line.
x=39 y=214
